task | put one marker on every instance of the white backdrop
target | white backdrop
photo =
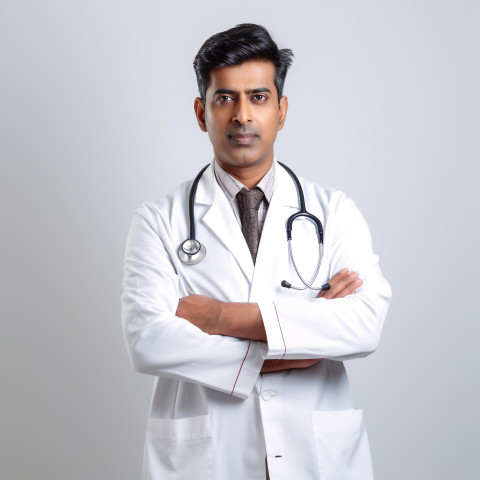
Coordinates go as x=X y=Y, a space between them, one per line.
x=96 y=106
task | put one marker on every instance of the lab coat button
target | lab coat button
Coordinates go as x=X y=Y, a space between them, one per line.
x=268 y=395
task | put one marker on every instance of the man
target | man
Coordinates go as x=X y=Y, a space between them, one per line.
x=249 y=374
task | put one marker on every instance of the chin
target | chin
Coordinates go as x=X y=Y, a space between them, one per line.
x=250 y=159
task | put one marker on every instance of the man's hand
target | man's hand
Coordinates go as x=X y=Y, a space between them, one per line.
x=342 y=284
x=277 y=365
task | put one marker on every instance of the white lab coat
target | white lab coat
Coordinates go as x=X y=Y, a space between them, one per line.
x=213 y=415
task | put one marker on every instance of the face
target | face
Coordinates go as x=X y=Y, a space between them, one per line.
x=242 y=115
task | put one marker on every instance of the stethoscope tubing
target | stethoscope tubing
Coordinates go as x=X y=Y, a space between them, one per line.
x=315 y=273
x=303 y=211
x=191 y=202
x=189 y=257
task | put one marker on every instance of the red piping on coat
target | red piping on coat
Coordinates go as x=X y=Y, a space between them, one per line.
x=281 y=331
x=241 y=366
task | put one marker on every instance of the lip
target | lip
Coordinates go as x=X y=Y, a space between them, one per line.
x=242 y=138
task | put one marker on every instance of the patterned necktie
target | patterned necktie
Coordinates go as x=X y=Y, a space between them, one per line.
x=248 y=203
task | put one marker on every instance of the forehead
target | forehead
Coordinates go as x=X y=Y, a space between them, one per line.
x=246 y=76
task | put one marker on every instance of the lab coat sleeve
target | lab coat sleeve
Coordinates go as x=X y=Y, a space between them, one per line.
x=337 y=329
x=161 y=344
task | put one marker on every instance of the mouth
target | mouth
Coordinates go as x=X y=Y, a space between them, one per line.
x=242 y=138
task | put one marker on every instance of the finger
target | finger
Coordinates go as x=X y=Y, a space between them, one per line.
x=350 y=288
x=345 y=283
x=338 y=277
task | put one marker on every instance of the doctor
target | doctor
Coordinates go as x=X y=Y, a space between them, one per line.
x=249 y=379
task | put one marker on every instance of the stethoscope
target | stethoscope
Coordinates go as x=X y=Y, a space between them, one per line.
x=192 y=252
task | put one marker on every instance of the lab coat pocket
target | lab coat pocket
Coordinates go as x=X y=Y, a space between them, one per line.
x=342 y=445
x=179 y=448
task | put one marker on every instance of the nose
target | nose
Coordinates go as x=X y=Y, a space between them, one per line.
x=242 y=114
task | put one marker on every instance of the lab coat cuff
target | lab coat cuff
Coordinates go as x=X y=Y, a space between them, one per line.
x=277 y=348
x=250 y=369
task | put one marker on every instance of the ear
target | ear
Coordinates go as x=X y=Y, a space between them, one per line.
x=283 y=107
x=199 y=108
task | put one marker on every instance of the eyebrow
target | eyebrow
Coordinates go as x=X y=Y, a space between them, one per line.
x=226 y=91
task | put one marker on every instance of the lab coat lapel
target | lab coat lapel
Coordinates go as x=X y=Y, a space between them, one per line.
x=273 y=242
x=221 y=221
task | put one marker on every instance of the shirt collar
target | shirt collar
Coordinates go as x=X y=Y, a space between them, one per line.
x=231 y=186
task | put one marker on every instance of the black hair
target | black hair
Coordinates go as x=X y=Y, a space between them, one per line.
x=239 y=44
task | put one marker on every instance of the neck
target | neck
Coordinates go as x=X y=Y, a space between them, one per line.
x=249 y=175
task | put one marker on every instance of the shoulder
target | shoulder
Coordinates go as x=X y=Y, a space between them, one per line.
x=329 y=197
x=339 y=212
x=336 y=208
x=159 y=210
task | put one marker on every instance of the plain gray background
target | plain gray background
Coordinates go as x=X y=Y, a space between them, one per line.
x=96 y=106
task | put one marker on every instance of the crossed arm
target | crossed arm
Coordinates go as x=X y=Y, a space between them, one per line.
x=244 y=320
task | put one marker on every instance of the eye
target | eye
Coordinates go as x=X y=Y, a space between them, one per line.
x=224 y=98
x=259 y=98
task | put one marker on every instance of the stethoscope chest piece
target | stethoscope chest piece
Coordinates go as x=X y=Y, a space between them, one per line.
x=191 y=252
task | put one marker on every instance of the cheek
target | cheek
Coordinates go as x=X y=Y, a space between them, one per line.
x=271 y=126
x=216 y=135
x=215 y=123
x=212 y=127
x=272 y=119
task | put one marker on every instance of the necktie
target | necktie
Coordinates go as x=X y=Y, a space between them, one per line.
x=248 y=203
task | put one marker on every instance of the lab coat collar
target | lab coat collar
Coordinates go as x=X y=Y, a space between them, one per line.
x=221 y=221
x=285 y=188
x=273 y=242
